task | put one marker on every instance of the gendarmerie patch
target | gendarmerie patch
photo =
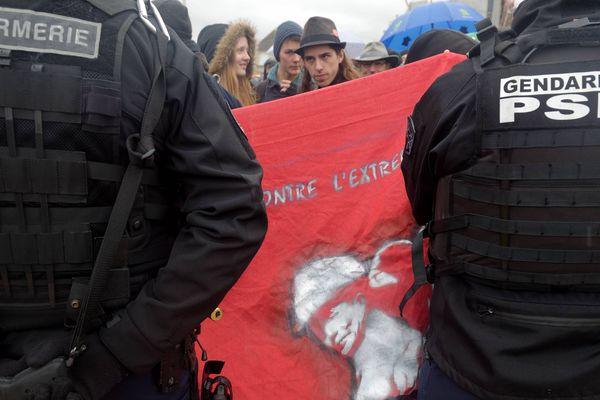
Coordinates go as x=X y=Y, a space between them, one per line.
x=40 y=32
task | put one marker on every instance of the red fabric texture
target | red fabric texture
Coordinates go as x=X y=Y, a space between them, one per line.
x=338 y=241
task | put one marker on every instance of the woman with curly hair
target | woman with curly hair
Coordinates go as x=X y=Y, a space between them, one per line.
x=233 y=61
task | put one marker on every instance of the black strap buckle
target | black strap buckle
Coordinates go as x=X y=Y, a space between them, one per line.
x=430 y=272
x=141 y=152
x=487 y=33
x=5 y=59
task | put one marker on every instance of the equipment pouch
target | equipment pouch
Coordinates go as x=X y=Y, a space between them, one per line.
x=14 y=388
x=539 y=344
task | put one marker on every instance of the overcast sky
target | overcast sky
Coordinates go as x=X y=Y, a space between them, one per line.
x=367 y=19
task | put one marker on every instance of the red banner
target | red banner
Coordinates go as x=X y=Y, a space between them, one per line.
x=316 y=314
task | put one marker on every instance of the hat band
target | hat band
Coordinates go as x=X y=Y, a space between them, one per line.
x=322 y=37
x=374 y=54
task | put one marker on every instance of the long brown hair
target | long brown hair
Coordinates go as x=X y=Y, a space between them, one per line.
x=346 y=72
x=221 y=64
x=239 y=86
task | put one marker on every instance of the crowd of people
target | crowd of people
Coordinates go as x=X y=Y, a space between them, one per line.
x=304 y=58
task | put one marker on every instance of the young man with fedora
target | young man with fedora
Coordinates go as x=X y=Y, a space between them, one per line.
x=325 y=60
x=375 y=58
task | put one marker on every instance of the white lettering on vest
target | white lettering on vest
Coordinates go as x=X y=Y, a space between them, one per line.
x=81 y=37
x=4 y=26
x=569 y=103
x=39 y=31
x=44 y=32
x=516 y=105
x=566 y=97
x=36 y=31
x=56 y=33
x=21 y=31
x=550 y=84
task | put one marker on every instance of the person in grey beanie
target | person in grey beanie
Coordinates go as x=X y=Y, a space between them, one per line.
x=284 y=78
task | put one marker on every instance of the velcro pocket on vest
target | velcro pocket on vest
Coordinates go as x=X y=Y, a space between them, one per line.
x=62 y=175
x=46 y=248
x=102 y=107
x=27 y=90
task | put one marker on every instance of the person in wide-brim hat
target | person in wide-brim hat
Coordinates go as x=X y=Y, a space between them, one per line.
x=375 y=58
x=322 y=51
x=319 y=31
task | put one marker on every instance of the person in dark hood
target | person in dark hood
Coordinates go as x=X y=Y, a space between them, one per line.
x=208 y=39
x=501 y=163
x=437 y=41
x=270 y=63
x=176 y=16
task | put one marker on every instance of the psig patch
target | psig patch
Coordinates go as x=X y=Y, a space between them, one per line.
x=27 y=30
x=523 y=97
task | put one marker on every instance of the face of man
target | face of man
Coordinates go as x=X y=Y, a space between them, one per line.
x=241 y=56
x=322 y=63
x=290 y=63
x=372 y=67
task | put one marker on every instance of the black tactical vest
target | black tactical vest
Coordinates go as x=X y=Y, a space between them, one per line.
x=62 y=157
x=528 y=211
x=515 y=241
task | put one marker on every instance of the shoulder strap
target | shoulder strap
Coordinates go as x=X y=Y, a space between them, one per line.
x=113 y=7
x=422 y=273
x=140 y=147
x=585 y=35
x=487 y=34
x=495 y=47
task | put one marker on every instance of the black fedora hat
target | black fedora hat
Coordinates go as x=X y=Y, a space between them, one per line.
x=318 y=31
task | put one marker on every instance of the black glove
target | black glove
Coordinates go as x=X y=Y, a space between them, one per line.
x=10 y=367
x=25 y=354
x=34 y=349
x=12 y=360
x=61 y=388
x=96 y=371
x=40 y=349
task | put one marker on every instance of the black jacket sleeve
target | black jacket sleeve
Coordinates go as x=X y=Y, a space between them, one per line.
x=444 y=138
x=201 y=147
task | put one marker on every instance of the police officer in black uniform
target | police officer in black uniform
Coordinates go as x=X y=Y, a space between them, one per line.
x=502 y=165
x=130 y=202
